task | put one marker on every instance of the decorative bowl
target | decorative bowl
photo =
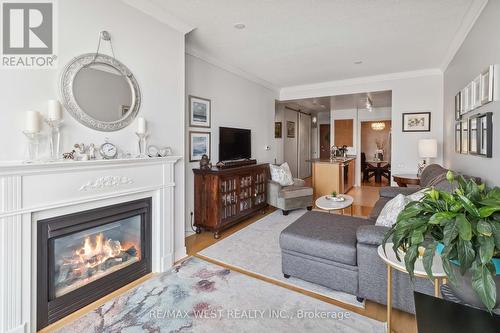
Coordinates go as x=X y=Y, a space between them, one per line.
x=336 y=199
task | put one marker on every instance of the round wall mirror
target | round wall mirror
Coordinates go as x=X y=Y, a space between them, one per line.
x=100 y=92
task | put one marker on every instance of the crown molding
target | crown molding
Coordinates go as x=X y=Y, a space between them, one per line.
x=232 y=69
x=470 y=18
x=159 y=13
x=359 y=80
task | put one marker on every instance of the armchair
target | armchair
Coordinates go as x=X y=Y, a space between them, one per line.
x=291 y=197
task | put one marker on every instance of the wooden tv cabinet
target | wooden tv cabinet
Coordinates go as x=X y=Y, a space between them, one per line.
x=224 y=197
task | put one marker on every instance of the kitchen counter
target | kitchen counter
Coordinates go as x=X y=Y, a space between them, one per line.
x=337 y=160
x=335 y=175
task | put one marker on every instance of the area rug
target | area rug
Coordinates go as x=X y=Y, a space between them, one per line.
x=256 y=249
x=197 y=296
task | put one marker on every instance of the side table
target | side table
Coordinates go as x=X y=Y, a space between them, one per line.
x=405 y=180
x=392 y=262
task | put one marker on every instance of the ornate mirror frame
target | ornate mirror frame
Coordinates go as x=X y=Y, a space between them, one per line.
x=68 y=98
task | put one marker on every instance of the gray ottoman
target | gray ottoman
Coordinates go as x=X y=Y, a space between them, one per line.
x=321 y=248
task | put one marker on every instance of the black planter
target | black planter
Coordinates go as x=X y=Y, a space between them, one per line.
x=464 y=291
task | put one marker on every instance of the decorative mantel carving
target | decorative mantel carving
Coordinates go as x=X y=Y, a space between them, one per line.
x=105 y=182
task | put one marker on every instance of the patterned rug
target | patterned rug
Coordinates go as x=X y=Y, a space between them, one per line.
x=197 y=296
x=256 y=249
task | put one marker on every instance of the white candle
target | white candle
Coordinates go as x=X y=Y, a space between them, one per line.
x=32 y=122
x=141 y=125
x=54 y=110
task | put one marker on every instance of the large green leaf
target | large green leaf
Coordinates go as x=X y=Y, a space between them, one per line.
x=484 y=285
x=486 y=248
x=410 y=257
x=466 y=255
x=430 y=251
x=441 y=217
x=486 y=211
x=496 y=233
x=484 y=228
x=469 y=206
x=464 y=227
x=450 y=232
x=450 y=273
x=417 y=237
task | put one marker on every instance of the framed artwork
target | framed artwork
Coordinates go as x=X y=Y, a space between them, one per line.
x=458 y=106
x=465 y=100
x=487 y=85
x=199 y=112
x=464 y=138
x=473 y=136
x=290 y=129
x=476 y=93
x=278 y=130
x=485 y=134
x=458 y=137
x=417 y=122
x=199 y=145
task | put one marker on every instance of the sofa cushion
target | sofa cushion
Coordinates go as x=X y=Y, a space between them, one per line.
x=281 y=174
x=290 y=192
x=324 y=235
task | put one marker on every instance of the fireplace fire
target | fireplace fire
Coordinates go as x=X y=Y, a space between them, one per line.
x=84 y=256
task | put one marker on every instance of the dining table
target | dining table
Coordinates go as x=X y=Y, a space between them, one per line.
x=379 y=168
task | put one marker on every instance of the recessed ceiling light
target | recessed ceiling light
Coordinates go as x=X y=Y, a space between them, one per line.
x=240 y=26
x=359 y=62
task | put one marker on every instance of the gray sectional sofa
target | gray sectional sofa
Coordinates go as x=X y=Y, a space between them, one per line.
x=340 y=252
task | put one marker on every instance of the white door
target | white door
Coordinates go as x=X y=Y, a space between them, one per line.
x=304 y=146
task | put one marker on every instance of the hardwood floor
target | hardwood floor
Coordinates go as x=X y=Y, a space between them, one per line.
x=364 y=200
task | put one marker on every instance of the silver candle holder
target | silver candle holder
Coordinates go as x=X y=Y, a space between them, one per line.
x=142 y=144
x=32 y=146
x=55 y=138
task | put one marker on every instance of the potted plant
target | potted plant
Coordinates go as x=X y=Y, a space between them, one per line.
x=464 y=228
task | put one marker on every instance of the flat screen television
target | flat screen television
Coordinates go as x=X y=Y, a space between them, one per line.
x=234 y=143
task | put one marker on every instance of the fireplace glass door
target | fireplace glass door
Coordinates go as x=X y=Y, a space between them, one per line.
x=88 y=255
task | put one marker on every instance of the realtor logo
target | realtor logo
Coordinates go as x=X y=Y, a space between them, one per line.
x=28 y=34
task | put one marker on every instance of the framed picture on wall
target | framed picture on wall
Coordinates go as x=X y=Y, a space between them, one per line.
x=487 y=85
x=199 y=112
x=473 y=136
x=199 y=145
x=278 y=130
x=290 y=129
x=458 y=106
x=476 y=93
x=485 y=134
x=417 y=122
x=458 y=137
x=464 y=138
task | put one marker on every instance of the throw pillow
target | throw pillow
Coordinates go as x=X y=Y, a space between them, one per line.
x=281 y=174
x=391 y=210
x=415 y=196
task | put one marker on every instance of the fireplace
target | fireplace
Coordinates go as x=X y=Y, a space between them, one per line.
x=85 y=256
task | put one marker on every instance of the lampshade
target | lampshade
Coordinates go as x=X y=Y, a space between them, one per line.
x=427 y=148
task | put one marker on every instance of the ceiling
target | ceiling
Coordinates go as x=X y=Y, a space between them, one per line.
x=379 y=99
x=294 y=42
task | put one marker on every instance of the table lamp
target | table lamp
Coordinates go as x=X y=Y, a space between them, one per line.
x=427 y=149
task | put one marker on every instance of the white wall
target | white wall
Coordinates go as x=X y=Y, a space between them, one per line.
x=153 y=51
x=411 y=92
x=236 y=102
x=478 y=51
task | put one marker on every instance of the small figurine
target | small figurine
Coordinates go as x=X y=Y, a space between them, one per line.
x=70 y=155
x=92 y=154
x=205 y=163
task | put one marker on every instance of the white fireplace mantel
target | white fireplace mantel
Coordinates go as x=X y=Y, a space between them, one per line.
x=30 y=192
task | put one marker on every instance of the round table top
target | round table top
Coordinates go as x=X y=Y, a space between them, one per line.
x=328 y=204
x=391 y=260
x=407 y=176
